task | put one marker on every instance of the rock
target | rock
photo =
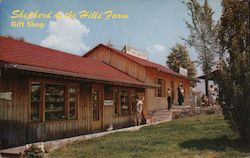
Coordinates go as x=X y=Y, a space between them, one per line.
x=179 y=113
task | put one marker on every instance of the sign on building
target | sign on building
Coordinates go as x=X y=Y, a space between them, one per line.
x=183 y=71
x=108 y=102
x=135 y=52
x=6 y=95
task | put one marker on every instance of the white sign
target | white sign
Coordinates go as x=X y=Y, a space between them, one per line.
x=183 y=71
x=136 y=53
x=6 y=95
x=108 y=102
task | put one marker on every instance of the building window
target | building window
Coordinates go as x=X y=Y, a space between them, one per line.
x=132 y=101
x=124 y=102
x=54 y=102
x=35 y=99
x=96 y=104
x=160 y=92
x=116 y=101
x=59 y=102
x=73 y=101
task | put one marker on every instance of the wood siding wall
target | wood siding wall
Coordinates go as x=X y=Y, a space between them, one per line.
x=144 y=74
x=158 y=103
x=13 y=114
x=125 y=65
x=108 y=112
x=116 y=121
x=17 y=128
x=67 y=128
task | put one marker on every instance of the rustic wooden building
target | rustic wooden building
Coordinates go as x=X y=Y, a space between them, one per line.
x=47 y=94
x=147 y=72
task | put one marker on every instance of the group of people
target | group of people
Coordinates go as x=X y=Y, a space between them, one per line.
x=206 y=100
x=180 y=93
x=210 y=100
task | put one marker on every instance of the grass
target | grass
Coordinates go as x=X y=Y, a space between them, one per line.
x=200 y=137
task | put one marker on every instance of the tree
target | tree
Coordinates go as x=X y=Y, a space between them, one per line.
x=234 y=80
x=179 y=57
x=202 y=36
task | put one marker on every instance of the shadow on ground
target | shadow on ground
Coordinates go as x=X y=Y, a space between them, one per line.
x=216 y=144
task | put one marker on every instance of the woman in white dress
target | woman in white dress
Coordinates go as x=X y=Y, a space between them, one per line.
x=211 y=94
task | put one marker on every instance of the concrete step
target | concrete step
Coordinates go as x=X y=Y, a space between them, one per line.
x=167 y=114
x=162 y=119
x=162 y=115
x=12 y=152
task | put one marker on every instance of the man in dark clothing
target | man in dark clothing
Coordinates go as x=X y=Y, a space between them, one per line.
x=180 y=92
x=169 y=99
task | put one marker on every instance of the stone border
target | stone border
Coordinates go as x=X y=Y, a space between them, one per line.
x=56 y=144
x=180 y=113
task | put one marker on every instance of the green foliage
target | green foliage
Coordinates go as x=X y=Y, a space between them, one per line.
x=33 y=152
x=199 y=136
x=234 y=79
x=203 y=33
x=179 y=57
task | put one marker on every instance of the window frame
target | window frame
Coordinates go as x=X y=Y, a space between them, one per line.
x=99 y=104
x=42 y=111
x=130 y=101
x=116 y=91
x=127 y=101
x=77 y=100
x=41 y=102
x=65 y=101
x=162 y=88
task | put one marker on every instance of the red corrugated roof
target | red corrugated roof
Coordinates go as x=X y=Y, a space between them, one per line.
x=22 y=53
x=140 y=61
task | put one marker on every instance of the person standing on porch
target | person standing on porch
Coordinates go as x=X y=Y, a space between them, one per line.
x=211 y=94
x=180 y=92
x=194 y=93
x=169 y=97
x=139 y=108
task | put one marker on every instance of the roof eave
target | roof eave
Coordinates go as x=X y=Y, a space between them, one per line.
x=91 y=50
x=72 y=74
x=176 y=74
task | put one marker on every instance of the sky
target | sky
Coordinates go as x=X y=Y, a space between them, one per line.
x=151 y=26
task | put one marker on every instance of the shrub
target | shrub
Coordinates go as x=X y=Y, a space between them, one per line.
x=34 y=151
x=234 y=77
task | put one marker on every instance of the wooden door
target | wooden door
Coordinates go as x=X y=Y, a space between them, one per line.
x=97 y=108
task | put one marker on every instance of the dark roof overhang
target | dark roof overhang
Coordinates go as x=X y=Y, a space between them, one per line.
x=77 y=75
